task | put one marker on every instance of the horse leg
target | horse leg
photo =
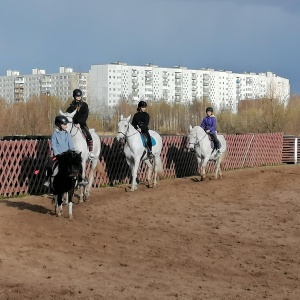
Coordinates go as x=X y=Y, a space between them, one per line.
x=135 y=167
x=58 y=205
x=203 y=167
x=90 y=179
x=70 y=196
x=218 y=168
x=149 y=172
x=82 y=188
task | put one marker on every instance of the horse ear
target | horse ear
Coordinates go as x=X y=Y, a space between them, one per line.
x=128 y=118
x=121 y=117
x=191 y=127
x=73 y=113
x=61 y=113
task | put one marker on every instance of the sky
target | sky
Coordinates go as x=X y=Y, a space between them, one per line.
x=237 y=35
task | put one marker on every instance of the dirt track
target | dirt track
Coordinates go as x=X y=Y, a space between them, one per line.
x=235 y=238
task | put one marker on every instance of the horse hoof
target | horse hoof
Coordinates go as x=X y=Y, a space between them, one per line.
x=58 y=214
x=70 y=217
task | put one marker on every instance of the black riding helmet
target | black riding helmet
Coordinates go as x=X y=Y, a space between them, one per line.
x=142 y=104
x=209 y=109
x=61 y=120
x=77 y=93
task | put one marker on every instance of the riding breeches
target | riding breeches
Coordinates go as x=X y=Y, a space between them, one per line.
x=215 y=140
x=86 y=132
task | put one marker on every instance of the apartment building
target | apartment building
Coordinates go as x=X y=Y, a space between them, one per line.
x=15 y=87
x=104 y=85
x=224 y=89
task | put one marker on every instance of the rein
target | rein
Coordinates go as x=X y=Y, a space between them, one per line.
x=197 y=140
x=125 y=134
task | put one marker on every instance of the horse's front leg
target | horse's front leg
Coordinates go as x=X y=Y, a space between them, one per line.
x=58 y=204
x=203 y=164
x=134 y=170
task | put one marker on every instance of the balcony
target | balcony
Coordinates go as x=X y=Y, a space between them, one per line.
x=148 y=74
x=178 y=75
x=134 y=73
x=135 y=86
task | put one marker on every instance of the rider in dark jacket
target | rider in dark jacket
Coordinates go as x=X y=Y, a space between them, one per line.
x=209 y=124
x=81 y=116
x=140 y=122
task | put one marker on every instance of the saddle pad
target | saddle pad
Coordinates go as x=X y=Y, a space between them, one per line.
x=144 y=140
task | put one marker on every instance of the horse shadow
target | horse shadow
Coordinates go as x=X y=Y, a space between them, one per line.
x=117 y=169
x=185 y=162
x=22 y=205
x=33 y=169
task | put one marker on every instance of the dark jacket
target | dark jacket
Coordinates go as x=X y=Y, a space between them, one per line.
x=141 y=120
x=82 y=112
x=209 y=123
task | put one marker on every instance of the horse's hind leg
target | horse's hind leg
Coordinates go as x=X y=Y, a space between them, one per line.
x=70 y=196
x=149 y=172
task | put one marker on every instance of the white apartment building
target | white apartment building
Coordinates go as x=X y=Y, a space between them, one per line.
x=19 y=88
x=224 y=89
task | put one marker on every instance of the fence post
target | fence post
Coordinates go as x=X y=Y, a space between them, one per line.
x=296 y=151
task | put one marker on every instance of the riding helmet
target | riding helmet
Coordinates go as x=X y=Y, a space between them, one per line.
x=77 y=93
x=142 y=104
x=61 y=120
x=209 y=109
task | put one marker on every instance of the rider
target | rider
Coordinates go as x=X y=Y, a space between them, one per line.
x=140 y=122
x=61 y=141
x=209 y=124
x=82 y=113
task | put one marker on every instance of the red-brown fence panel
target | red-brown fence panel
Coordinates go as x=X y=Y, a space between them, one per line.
x=23 y=162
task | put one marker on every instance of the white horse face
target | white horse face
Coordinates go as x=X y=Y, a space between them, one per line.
x=192 y=138
x=123 y=127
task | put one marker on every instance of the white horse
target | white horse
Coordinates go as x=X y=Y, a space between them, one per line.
x=80 y=145
x=201 y=144
x=135 y=151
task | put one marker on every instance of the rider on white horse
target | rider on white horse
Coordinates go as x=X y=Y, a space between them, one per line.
x=80 y=118
x=140 y=122
x=61 y=141
x=209 y=124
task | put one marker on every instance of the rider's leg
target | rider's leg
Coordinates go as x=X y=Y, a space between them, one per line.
x=149 y=143
x=216 y=141
x=88 y=139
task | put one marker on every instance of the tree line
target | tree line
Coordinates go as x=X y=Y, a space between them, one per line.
x=36 y=116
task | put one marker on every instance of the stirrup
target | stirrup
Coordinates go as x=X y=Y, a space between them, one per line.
x=150 y=154
x=91 y=155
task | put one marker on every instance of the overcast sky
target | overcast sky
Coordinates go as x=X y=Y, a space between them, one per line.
x=237 y=35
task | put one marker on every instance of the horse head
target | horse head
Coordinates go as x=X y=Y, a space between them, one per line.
x=70 y=162
x=123 y=127
x=193 y=140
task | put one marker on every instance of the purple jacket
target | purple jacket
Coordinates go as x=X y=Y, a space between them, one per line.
x=209 y=123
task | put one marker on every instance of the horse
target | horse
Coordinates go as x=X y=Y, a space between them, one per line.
x=135 y=151
x=201 y=144
x=64 y=179
x=81 y=146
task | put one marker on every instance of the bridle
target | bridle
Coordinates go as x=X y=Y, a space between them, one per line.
x=73 y=125
x=197 y=141
x=126 y=133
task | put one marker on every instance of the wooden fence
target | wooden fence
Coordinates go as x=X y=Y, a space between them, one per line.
x=23 y=162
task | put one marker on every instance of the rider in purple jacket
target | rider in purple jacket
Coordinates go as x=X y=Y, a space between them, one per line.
x=209 y=124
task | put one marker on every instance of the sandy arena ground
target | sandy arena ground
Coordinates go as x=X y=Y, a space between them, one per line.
x=235 y=238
